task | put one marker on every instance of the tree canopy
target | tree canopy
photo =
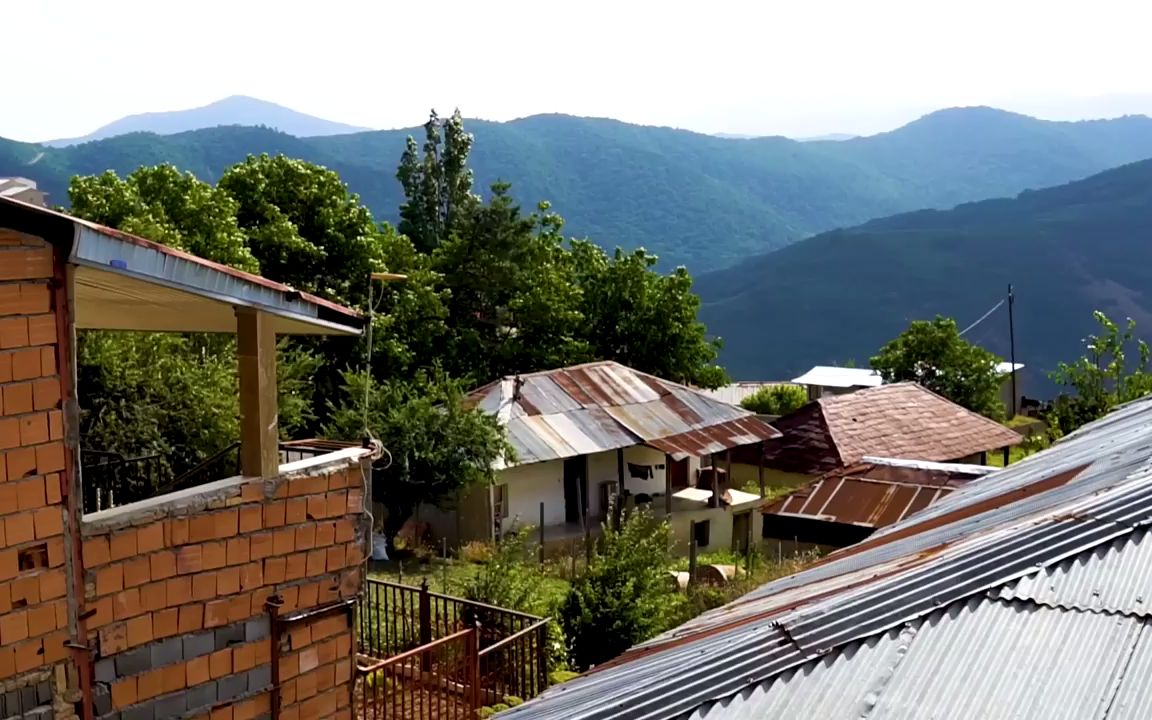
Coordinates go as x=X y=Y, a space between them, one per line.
x=935 y=355
x=490 y=291
x=1113 y=370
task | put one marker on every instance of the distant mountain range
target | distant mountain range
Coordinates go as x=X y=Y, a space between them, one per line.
x=838 y=296
x=695 y=199
x=235 y=110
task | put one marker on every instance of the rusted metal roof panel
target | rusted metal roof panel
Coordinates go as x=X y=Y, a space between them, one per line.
x=715 y=438
x=605 y=406
x=871 y=495
x=547 y=397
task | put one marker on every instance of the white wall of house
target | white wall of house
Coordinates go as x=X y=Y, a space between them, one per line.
x=528 y=486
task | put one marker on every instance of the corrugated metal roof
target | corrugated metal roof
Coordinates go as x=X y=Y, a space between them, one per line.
x=124 y=282
x=1083 y=493
x=875 y=494
x=839 y=377
x=973 y=659
x=1110 y=578
x=604 y=406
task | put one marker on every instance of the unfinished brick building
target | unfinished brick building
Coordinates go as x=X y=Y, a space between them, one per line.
x=231 y=599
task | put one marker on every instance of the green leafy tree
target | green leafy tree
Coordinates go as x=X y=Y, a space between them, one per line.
x=623 y=597
x=512 y=303
x=166 y=206
x=437 y=445
x=641 y=318
x=437 y=182
x=304 y=226
x=1113 y=370
x=776 y=399
x=933 y=354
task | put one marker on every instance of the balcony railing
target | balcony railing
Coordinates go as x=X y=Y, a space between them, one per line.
x=111 y=479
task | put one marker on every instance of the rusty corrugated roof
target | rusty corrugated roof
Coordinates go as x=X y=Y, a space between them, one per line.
x=901 y=420
x=604 y=406
x=873 y=494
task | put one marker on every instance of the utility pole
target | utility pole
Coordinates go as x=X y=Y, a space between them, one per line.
x=1012 y=348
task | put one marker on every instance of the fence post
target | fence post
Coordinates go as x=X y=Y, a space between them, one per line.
x=472 y=666
x=541 y=658
x=425 y=625
x=541 y=534
x=692 y=553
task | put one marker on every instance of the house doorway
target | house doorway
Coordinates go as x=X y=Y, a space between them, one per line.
x=741 y=532
x=575 y=488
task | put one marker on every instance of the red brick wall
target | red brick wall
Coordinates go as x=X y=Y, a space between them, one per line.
x=165 y=577
x=34 y=610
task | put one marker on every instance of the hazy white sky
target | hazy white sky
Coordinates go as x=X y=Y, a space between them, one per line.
x=802 y=67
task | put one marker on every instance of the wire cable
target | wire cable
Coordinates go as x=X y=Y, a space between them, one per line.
x=982 y=317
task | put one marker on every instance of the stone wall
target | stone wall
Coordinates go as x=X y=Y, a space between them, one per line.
x=37 y=678
x=177 y=591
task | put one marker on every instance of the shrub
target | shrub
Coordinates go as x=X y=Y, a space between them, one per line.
x=505 y=580
x=561 y=676
x=623 y=597
x=512 y=701
x=776 y=399
x=476 y=552
x=508 y=580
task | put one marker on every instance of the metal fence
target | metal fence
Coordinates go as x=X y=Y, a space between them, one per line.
x=110 y=479
x=397 y=620
x=437 y=680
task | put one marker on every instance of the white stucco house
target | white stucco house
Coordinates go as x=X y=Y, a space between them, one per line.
x=586 y=434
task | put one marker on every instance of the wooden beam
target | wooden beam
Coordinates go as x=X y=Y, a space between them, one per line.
x=259 y=429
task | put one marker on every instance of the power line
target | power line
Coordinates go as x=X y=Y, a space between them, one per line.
x=983 y=317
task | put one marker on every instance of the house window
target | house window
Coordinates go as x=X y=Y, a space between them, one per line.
x=701 y=533
x=500 y=501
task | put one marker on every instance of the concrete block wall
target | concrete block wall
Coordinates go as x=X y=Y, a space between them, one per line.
x=37 y=679
x=176 y=590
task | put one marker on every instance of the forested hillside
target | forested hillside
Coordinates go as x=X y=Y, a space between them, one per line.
x=839 y=296
x=695 y=199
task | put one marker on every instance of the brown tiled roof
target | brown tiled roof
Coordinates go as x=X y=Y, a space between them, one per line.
x=902 y=420
x=872 y=495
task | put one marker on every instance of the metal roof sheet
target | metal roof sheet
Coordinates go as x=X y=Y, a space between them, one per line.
x=124 y=282
x=1110 y=578
x=840 y=377
x=1086 y=491
x=875 y=494
x=603 y=406
x=973 y=659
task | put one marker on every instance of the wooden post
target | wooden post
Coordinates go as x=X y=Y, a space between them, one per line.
x=617 y=511
x=668 y=486
x=1007 y=454
x=691 y=553
x=541 y=533
x=760 y=469
x=256 y=354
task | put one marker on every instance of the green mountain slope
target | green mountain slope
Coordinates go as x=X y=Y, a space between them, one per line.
x=838 y=296
x=695 y=199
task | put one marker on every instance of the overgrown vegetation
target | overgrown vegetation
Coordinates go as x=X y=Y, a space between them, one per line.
x=776 y=399
x=1113 y=370
x=623 y=596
